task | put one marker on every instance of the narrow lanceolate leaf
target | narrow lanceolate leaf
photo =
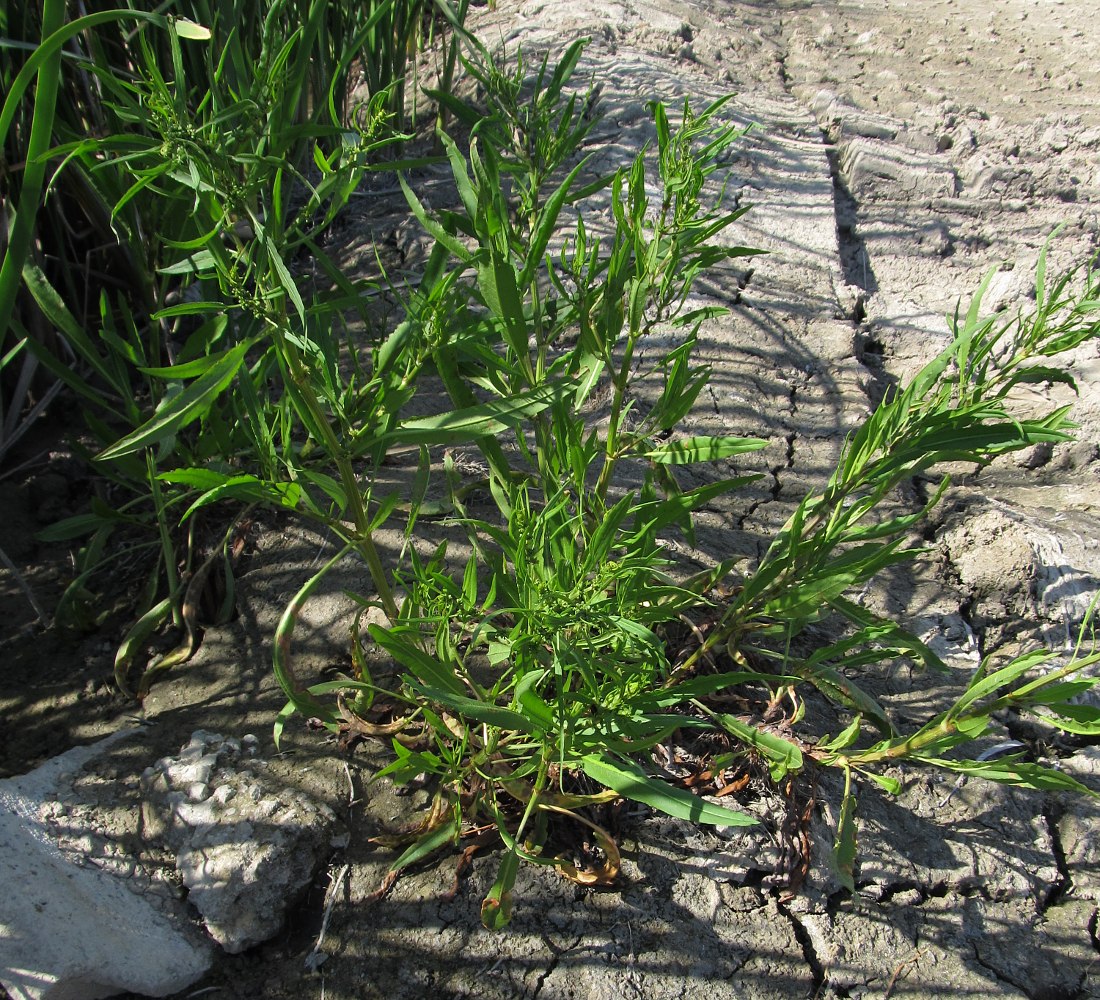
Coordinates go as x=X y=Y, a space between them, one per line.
x=286 y=279
x=187 y=406
x=782 y=756
x=426 y=668
x=844 y=848
x=19 y=226
x=428 y=844
x=986 y=683
x=835 y=686
x=249 y=489
x=496 y=908
x=1081 y=719
x=701 y=449
x=432 y=225
x=302 y=699
x=1012 y=771
x=194 y=263
x=136 y=638
x=496 y=278
x=483 y=420
x=480 y=711
x=547 y=223
x=55 y=310
x=631 y=782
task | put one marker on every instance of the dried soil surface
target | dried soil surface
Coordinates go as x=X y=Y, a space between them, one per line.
x=900 y=151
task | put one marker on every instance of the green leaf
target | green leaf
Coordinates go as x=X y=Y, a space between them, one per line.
x=70 y=527
x=631 y=782
x=546 y=224
x=463 y=184
x=835 y=686
x=885 y=782
x=301 y=699
x=53 y=307
x=479 y=711
x=782 y=756
x=189 y=29
x=195 y=263
x=533 y=706
x=427 y=668
x=248 y=489
x=1012 y=771
x=186 y=407
x=19 y=217
x=701 y=449
x=190 y=309
x=887 y=629
x=327 y=485
x=185 y=370
x=482 y=420
x=428 y=844
x=496 y=908
x=136 y=638
x=497 y=280
x=1081 y=719
x=654 y=515
x=442 y=236
x=843 y=739
x=984 y=684
x=844 y=848
x=286 y=280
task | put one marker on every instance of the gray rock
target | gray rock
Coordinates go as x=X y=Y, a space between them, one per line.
x=247 y=844
x=54 y=940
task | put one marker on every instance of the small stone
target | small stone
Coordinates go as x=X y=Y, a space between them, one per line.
x=223 y=793
x=1055 y=138
x=1036 y=456
x=197 y=791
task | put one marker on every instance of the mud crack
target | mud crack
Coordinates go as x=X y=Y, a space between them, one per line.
x=556 y=955
x=855 y=263
x=809 y=952
x=966 y=613
x=1051 y=815
x=996 y=973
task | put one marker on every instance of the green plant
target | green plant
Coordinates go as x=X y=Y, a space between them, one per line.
x=539 y=679
x=213 y=374
x=537 y=682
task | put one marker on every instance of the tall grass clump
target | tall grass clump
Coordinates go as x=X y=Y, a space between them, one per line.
x=161 y=206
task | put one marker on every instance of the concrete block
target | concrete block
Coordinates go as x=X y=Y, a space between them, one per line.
x=70 y=930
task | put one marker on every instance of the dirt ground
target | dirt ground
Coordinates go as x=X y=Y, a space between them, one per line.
x=901 y=150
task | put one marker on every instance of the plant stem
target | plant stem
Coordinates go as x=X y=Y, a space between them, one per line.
x=168 y=550
x=364 y=543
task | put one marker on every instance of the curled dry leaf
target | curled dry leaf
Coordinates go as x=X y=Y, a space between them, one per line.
x=605 y=874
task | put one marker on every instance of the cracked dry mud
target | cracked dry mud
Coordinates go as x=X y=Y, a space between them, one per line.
x=899 y=151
